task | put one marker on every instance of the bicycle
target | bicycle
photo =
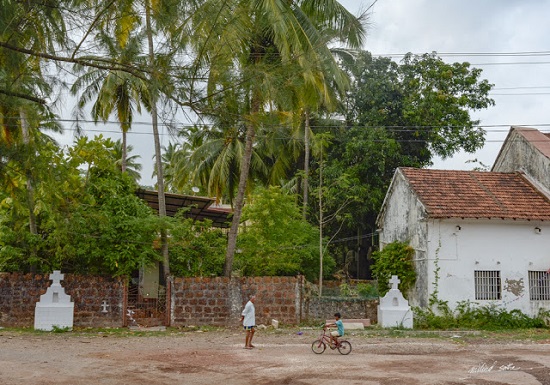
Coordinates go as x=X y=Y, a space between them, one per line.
x=319 y=346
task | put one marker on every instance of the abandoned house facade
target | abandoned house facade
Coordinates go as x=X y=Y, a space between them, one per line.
x=482 y=237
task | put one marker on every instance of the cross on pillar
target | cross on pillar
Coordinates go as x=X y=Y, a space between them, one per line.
x=104 y=306
x=394 y=281
x=56 y=277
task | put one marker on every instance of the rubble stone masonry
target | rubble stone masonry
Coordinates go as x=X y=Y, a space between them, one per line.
x=98 y=300
x=217 y=301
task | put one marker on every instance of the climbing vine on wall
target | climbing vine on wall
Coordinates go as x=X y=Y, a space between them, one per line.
x=395 y=259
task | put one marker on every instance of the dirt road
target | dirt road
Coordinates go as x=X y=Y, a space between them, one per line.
x=280 y=357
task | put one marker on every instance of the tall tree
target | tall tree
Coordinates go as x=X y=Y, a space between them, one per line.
x=397 y=114
x=153 y=91
x=171 y=163
x=114 y=91
x=423 y=102
x=133 y=168
x=257 y=39
x=276 y=240
x=161 y=20
x=23 y=87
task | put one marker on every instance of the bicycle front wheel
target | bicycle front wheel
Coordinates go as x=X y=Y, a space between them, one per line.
x=318 y=346
x=344 y=347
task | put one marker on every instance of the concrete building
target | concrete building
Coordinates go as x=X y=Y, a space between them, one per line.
x=478 y=236
x=527 y=150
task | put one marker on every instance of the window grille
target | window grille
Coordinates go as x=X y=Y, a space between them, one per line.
x=487 y=285
x=539 y=286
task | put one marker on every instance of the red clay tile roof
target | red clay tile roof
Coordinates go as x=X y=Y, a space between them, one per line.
x=476 y=194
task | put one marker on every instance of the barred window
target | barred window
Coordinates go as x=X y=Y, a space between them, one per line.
x=539 y=286
x=487 y=285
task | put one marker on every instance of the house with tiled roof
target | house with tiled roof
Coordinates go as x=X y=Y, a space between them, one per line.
x=478 y=236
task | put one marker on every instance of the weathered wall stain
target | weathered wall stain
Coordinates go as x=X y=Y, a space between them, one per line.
x=515 y=286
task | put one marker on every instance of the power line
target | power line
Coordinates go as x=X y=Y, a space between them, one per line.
x=413 y=128
x=182 y=126
x=522 y=94
x=519 y=88
x=510 y=63
x=294 y=139
x=471 y=54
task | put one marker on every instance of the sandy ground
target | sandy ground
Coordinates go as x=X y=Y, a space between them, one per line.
x=280 y=357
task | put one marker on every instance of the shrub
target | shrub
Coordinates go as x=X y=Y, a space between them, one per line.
x=395 y=259
x=469 y=316
x=347 y=291
x=367 y=290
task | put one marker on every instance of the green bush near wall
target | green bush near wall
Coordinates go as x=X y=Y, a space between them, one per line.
x=395 y=259
x=468 y=315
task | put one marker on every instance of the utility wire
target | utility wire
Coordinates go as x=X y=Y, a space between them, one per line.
x=471 y=54
x=488 y=128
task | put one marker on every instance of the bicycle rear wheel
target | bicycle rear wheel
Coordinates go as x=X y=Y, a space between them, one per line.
x=318 y=346
x=344 y=347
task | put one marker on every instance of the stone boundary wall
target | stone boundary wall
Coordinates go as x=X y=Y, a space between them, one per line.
x=323 y=308
x=20 y=292
x=219 y=301
x=197 y=301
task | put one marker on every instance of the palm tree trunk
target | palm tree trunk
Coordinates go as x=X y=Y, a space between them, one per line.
x=124 y=152
x=241 y=190
x=239 y=201
x=305 y=187
x=33 y=228
x=256 y=102
x=158 y=155
x=321 y=225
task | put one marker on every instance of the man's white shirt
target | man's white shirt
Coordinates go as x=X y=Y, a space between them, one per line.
x=249 y=314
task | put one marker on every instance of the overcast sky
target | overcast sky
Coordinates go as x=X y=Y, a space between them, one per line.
x=508 y=38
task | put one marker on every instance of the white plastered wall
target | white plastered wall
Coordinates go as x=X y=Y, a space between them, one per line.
x=460 y=247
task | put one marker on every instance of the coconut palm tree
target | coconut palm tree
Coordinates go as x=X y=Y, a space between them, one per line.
x=256 y=39
x=115 y=91
x=133 y=168
x=23 y=88
x=164 y=22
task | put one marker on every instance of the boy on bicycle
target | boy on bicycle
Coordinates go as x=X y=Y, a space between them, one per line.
x=339 y=332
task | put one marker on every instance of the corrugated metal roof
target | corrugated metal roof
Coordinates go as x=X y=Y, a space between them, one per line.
x=198 y=208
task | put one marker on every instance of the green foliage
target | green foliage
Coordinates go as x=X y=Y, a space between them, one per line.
x=357 y=173
x=276 y=240
x=19 y=249
x=196 y=248
x=57 y=329
x=347 y=291
x=421 y=91
x=434 y=296
x=362 y=290
x=468 y=315
x=114 y=234
x=367 y=290
x=89 y=219
x=397 y=115
x=395 y=259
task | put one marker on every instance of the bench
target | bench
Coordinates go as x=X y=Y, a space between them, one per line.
x=353 y=323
